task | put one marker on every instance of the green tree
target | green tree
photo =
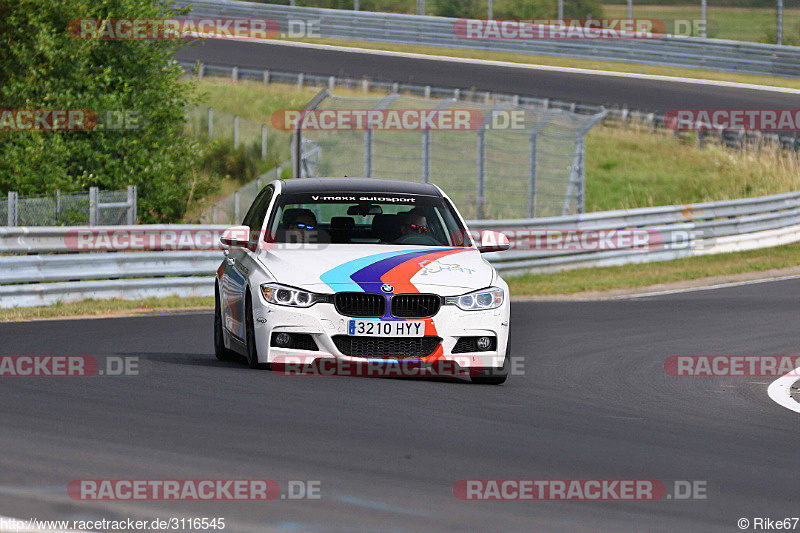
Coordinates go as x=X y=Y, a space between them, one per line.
x=43 y=67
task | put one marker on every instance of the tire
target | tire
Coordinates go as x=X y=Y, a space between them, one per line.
x=220 y=351
x=495 y=376
x=250 y=338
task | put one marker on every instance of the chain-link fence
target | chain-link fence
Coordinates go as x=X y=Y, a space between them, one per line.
x=258 y=140
x=95 y=208
x=492 y=170
x=231 y=209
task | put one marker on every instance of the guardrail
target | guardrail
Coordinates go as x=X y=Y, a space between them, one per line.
x=682 y=230
x=676 y=51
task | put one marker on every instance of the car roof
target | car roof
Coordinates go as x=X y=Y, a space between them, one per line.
x=360 y=185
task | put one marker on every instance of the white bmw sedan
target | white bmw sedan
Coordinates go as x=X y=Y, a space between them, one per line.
x=354 y=271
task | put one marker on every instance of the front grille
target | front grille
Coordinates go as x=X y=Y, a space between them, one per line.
x=415 y=305
x=470 y=344
x=300 y=341
x=388 y=347
x=360 y=304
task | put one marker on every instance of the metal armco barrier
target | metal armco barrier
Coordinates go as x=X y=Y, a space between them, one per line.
x=677 y=51
x=685 y=231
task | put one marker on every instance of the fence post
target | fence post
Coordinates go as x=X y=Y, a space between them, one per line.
x=263 y=142
x=481 y=172
x=331 y=82
x=236 y=207
x=532 y=160
x=235 y=131
x=365 y=85
x=426 y=156
x=210 y=123
x=235 y=74
x=93 y=200
x=367 y=153
x=12 y=209
x=131 y=204
x=427 y=92
x=266 y=77
x=300 y=79
x=58 y=206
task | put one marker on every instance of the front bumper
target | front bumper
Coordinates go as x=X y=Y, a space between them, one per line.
x=322 y=322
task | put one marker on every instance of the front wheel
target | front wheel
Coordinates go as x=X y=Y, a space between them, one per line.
x=250 y=336
x=495 y=376
x=220 y=351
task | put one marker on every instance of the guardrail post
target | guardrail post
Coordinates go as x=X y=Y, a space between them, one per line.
x=210 y=123
x=93 y=201
x=131 y=204
x=532 y=160
x=263 y=142
x=456 y=94
x=236 y=131
x=365 y=85
x=300 y=80
x=367 y=153
x=235 y=74
x=426 y=156
x=201 y=70
x=395 y=88
x=427 y=91
x=12 y=209
x=515 y=99
x=481 y=172
x=266 y=77
x=332 y=83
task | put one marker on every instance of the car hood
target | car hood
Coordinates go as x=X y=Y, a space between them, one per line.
x=367 y=268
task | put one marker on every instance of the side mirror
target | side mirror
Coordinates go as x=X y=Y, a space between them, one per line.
x=493 y=241
x=236 y=237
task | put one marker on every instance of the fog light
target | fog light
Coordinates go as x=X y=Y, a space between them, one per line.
x=484 y=343
x=283 y=340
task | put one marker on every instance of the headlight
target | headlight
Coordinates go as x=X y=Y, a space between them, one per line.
x=490 y=298
x=278 y=294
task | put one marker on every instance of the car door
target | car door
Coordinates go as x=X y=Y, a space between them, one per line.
x=239 y=263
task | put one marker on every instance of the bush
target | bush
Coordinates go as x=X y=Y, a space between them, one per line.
x=42 y=67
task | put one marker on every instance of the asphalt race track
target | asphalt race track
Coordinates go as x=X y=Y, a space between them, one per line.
x=594 y=403
x=640 y=94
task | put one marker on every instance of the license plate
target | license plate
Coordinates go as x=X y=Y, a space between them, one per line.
x=387 y=328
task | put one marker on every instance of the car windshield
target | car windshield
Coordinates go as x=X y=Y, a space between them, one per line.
x=366 y=218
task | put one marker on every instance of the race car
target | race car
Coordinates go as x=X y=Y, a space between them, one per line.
x=356 y=270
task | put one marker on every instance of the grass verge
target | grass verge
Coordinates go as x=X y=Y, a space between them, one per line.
x=103 y=308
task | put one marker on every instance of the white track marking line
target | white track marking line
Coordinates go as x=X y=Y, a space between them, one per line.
x=706 y=288
x=780 y=390
x=525 y=66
